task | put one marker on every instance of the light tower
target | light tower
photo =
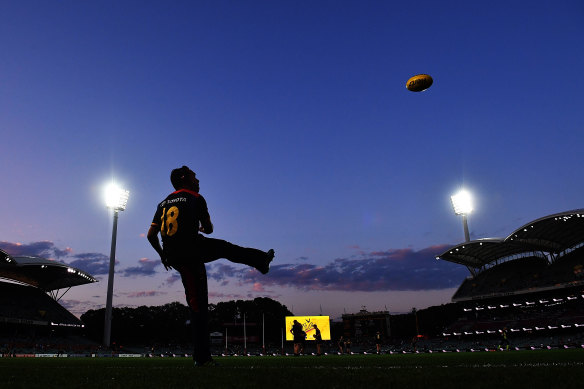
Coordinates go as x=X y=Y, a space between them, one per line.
x=462 y=204
x=116 y=199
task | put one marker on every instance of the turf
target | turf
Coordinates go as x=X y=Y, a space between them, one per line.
x=517 y=369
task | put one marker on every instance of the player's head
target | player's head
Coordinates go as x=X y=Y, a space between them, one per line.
x=184 y=178
x=315 y=326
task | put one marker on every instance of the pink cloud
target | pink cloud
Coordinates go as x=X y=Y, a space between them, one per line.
x=258 y=287
x=232 y=296
x=145 y=293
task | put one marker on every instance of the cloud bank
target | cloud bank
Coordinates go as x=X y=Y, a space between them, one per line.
x=403 y=269
x=95 y=264
x=146 y=267
x=43 y=249
x=391 y=270
x=92 y=263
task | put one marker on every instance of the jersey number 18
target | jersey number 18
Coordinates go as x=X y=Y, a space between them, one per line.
x=169 y=225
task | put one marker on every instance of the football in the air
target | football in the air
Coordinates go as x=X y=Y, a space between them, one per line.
x=419 y=83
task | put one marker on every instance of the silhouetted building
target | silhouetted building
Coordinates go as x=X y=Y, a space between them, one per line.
x=365 y=324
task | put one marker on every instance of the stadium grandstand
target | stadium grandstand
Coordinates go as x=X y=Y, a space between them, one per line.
x=30 y=290
x=528 y=286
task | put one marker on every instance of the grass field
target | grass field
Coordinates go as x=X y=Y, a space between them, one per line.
x=516 y=369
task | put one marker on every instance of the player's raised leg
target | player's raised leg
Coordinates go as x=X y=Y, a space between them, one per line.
x=211 y=249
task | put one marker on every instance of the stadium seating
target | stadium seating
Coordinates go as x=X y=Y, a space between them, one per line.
x=524 y=274
x=18 y=302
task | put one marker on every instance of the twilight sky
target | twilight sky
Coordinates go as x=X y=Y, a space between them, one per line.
x=296 y=119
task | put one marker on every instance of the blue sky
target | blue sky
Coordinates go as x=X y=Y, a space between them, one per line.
x=296 y=119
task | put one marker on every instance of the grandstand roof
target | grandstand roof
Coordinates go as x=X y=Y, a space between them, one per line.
x=552 y=234
x=549 y=235
x=478 y=253
x=42 y=273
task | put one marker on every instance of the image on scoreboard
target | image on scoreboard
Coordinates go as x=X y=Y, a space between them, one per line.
x=308 y=322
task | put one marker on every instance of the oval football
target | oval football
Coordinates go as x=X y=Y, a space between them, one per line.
x=419 y=82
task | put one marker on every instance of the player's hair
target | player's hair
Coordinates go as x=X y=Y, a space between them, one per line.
x=177 y=176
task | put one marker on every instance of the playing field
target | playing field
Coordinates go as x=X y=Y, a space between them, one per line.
x=517 y=369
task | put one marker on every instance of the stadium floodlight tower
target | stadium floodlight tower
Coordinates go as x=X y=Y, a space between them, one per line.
x=462 y=204
x=116 y=199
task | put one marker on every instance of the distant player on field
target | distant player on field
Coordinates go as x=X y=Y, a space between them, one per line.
x=318 y=338
x=504 y=339
x=299 y=336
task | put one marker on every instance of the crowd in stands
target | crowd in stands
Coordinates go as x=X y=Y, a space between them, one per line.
x=29 y=303
x=69 y=344
x=525 y=274
x=536 y=304
x=518 y=341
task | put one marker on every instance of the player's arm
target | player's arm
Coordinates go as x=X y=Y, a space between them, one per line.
x=152 y=236
x=205 y=218
x=206 y=226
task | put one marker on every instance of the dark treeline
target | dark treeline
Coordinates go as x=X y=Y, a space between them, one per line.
x=264 y=317
x=168 y=324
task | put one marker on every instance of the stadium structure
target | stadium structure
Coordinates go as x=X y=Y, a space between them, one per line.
x=365 y=324
x=528 y=286
x=30 y=290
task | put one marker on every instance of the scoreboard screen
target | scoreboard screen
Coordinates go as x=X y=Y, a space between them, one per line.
x=308 y=322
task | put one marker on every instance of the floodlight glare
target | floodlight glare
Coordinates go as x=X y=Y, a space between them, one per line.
x=115 y=197
x=462 y=203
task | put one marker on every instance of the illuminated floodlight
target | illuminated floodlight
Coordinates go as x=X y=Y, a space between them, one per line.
x=116 y=197
x=462 y=203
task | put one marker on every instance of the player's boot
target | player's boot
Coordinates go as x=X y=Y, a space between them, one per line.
x=264 y=268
